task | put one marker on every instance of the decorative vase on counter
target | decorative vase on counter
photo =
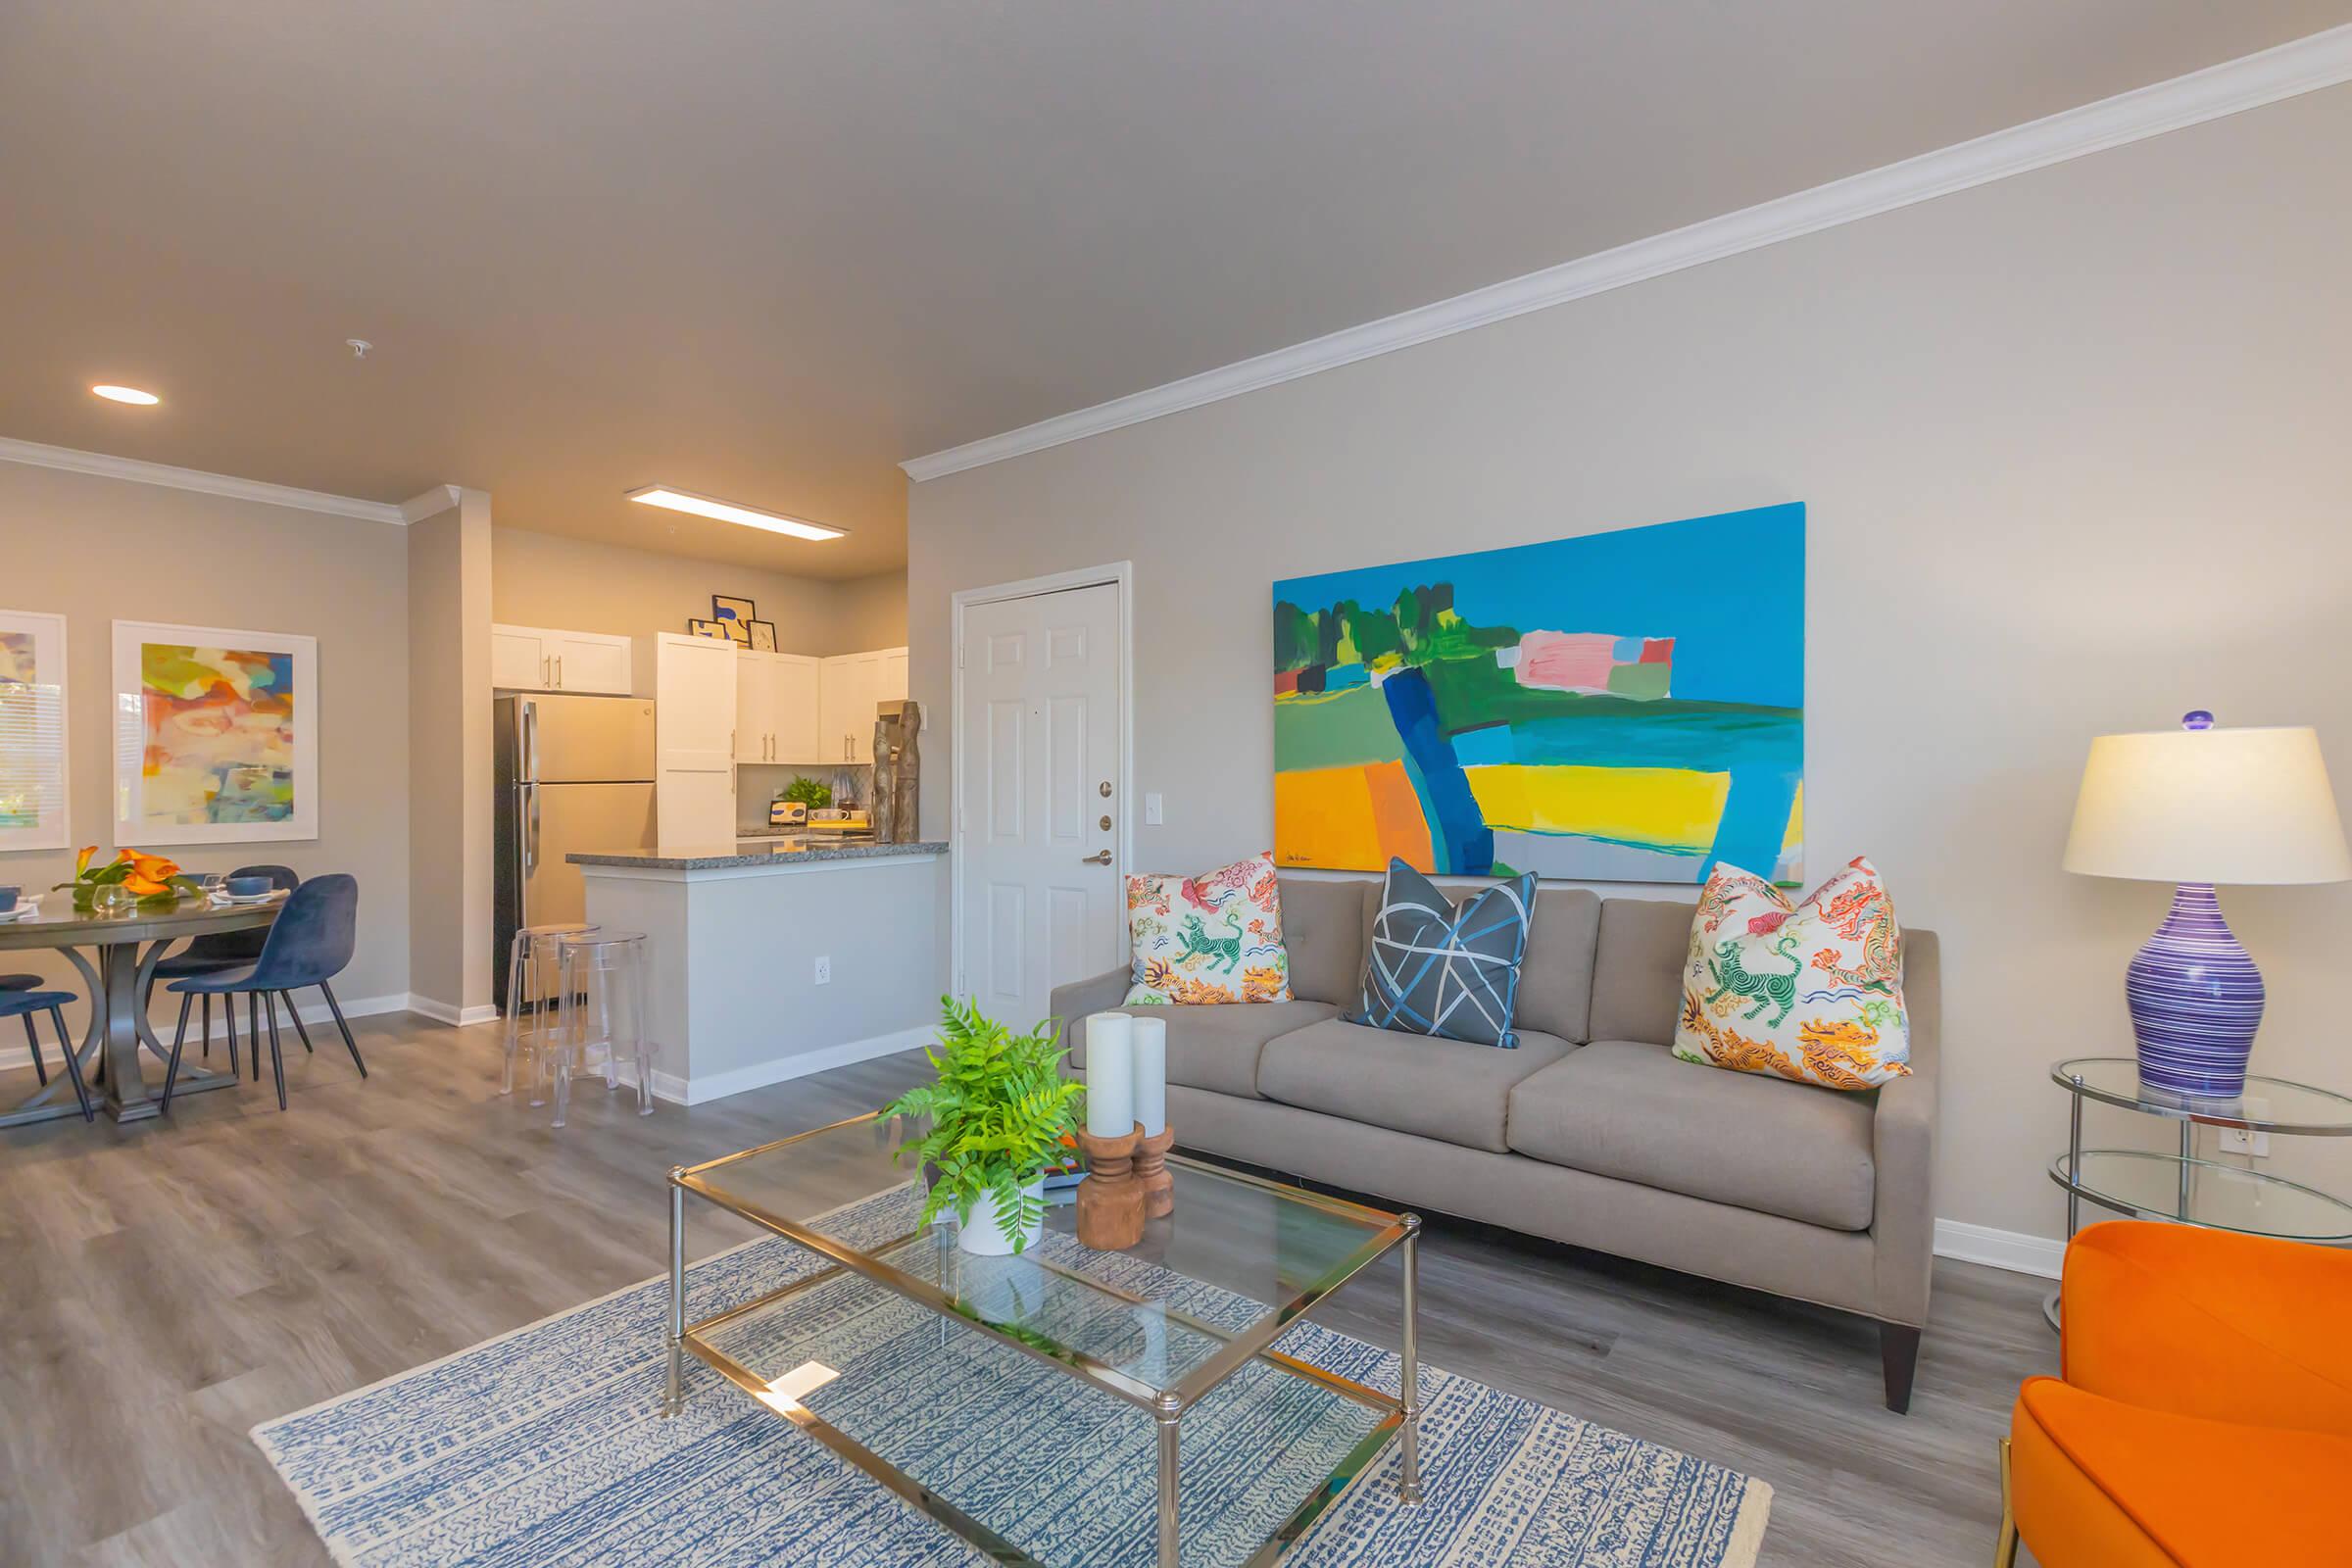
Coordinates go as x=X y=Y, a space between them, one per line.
x=982 y=1236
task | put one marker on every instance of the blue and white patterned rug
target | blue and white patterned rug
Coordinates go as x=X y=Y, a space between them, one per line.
x=546 y=1448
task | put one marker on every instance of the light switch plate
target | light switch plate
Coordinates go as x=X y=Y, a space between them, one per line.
x=1152 y=815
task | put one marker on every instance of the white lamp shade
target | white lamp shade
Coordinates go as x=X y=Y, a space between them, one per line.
x=2221 y=805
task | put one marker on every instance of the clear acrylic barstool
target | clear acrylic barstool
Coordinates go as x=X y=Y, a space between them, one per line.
x=599 y=1018
x=530 y=976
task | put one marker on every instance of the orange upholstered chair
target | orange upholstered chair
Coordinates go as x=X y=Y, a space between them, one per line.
x=2203 y=1416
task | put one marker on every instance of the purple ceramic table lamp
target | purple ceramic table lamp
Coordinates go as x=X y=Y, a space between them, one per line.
x=2194 y=807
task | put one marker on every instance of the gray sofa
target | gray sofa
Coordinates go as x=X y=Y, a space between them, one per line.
x=1590 y=1132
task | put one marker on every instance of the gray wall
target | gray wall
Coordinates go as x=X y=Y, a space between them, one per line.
x=448 y=734
x=2074 y=449
x=96 y=550
x=543 y=579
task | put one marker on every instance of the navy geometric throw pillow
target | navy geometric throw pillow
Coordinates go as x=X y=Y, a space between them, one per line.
x=1447 y=970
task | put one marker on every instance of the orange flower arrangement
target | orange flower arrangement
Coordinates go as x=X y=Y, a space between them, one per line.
x=152 y=877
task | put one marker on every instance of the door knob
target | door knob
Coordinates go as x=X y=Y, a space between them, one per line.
x=1100 y=857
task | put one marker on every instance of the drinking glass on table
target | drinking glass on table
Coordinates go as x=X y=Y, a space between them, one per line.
x=211 y=882
x=113 y=898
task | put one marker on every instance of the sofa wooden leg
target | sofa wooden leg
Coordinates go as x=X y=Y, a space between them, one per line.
x=1899 y=1358
x=2004 y=1550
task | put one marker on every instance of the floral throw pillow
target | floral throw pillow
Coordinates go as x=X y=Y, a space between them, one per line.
x=1811 y=991
x=1207 y=939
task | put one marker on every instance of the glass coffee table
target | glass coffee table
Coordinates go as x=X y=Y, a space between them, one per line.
x=1067 y=1406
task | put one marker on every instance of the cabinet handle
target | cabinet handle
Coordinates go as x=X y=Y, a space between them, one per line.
x=558 y=672
x=547 y=669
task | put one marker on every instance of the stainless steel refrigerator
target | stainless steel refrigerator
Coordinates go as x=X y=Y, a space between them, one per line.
x=575 y=773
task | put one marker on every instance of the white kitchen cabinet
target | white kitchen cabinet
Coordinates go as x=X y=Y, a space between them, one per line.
x=540 y=658
x=776 y=708
x=851 y=686
x=795 y=718
x=754 y=702
x=694 y=740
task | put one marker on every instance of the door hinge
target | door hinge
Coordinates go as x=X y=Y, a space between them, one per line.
x=960 y=657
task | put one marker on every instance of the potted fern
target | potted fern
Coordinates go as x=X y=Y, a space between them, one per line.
x=999 y=1112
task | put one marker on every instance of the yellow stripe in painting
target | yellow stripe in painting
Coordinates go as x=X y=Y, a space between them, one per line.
x=1797 y=819
x=1669 y=807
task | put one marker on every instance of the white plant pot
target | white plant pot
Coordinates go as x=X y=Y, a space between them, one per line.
x=983 y=1236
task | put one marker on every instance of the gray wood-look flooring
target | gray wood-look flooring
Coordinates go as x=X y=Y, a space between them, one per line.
x=166 y=1285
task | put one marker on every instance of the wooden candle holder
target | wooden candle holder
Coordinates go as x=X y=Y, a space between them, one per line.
x=1151 y=1171
x=1110 y=1201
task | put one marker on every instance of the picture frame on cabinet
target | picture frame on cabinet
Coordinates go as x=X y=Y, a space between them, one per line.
x=734 y=612
x=215 y=735
x=763 y=636
x=716 y=630
x=35 y=788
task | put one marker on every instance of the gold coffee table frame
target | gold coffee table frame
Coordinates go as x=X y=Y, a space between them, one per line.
x=1400 y=1416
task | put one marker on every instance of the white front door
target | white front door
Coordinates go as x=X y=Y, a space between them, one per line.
x=1038 y=807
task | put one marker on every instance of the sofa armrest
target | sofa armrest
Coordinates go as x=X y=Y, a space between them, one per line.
x=1073 y=1002
x=1903 y=1146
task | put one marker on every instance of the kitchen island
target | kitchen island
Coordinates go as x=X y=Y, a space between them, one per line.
x=738 y=934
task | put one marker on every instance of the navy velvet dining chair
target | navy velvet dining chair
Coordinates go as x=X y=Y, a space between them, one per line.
x=216 y=951
x=23 y=1002
x=309 y=944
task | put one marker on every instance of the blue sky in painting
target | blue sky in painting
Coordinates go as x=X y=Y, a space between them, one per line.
x=1729 y=589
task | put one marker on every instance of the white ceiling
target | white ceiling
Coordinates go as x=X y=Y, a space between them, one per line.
x=765 y=249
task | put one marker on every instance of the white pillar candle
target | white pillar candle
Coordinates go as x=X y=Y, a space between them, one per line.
x=1109 y=1075
x=1150 y=1036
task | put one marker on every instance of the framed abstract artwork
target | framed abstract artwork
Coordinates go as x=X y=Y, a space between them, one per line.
x=716 y=630
x=216 y=735
x=736 y=615
x=763 y=636
x=34 y=785
x=1603 y=708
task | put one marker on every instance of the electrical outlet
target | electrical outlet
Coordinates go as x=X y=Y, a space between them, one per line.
x=2245 y=1141
x=1152 y=815
x=825 y=971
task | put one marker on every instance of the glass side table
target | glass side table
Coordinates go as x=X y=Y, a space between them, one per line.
x=2184 y=1188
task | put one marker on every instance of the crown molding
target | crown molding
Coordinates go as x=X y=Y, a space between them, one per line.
x=196 y=479
x=430 y=503
x=2306 y=65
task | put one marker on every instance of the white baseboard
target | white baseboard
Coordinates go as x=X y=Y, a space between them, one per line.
x=311 y=1010
x=2013 y=1250
x=718 y=1086
x=447 y=1012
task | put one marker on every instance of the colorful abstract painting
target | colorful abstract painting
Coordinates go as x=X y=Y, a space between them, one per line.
x=32 y=731
x=1622 y=706
x=217 y=740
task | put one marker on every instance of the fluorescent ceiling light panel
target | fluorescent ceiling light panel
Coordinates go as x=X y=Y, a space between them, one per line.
x=126 y=394
x=661 y=495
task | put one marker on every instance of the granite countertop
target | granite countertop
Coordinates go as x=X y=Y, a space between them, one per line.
x=747 y=851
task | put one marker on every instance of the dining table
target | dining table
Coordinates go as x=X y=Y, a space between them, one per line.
x=127 y=947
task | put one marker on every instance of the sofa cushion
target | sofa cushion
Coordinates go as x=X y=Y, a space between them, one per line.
x=1441 y=968
x=1812 y=991
x=1555 y=978
x=1629 y=1110
x=1441 y=1089
x=1637 y=970
x=1323 y=927
x=1216 y=1046
x=1200 y=941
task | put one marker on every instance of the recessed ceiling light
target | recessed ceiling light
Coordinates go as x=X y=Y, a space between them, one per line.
x=126 y=394
x=661 y=495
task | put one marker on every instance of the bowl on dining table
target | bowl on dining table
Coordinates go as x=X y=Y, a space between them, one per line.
x=248 y=887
